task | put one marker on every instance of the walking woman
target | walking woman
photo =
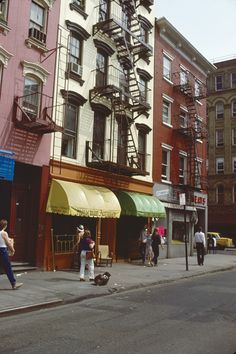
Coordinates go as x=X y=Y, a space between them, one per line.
x=6 y=244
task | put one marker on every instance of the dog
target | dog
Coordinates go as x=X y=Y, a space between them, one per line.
x=102 y=279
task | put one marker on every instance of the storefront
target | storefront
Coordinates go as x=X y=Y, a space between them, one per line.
x=181 y=217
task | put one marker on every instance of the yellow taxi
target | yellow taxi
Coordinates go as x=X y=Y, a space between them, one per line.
x=221 y=242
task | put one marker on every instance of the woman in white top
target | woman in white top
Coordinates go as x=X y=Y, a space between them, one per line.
x=6 y=244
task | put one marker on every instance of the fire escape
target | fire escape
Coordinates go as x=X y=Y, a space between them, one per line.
x=191 y=128
x=125 y=94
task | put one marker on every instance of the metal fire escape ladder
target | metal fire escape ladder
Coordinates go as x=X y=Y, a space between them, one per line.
x=132 y=154
x=194 y=134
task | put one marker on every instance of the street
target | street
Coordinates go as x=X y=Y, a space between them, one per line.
x=188 y=316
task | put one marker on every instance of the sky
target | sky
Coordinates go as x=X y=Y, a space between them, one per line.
x=209 y=25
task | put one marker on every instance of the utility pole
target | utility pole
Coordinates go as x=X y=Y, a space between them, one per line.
x=182 y=201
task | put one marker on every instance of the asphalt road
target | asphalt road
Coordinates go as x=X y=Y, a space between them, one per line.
x=186 y=317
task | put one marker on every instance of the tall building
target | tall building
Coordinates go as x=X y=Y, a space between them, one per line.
x=222 y=147
x=180 y=132
x=28 y=37
x=101 y=164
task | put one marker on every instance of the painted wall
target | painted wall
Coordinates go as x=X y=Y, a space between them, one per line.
x=29 y=148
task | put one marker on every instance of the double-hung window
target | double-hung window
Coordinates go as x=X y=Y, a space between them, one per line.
x=32 y=96
x=219 y=137
x=233 y=80
x=165 y=167
x=183 y=77
x=197 y=88
x=182 y=168
x=103 y=10
x=234 y=136
x=3 y=10
x=37 y=27
x=183 y=118
x=69 y=137
x=167 y=63
x=219 y=110
x=166 y=109
x=234 y=164
x=218 y=82
x=220 y=194
x=220 y=166
x=234 y=108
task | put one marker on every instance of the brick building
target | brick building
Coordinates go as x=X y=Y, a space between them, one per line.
x=222 y=147
x=179 y=126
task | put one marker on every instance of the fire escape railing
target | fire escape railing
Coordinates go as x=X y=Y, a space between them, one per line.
x=34 y=113
x=191 y=127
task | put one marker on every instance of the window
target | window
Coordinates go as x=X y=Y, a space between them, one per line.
x=144 y=34
x=69 y=136
x=183 y=77
x=220 y=165
x=219 y=82
x=101 y=69
x=197 y=88
x=183 y=118
x=219 y=137
x=37 y=22
x=167 y=67
x=3 y=10
x=143 y=87
x=103 y=10
x=234 y=136
x=233 y=80
x=182 y=169
x=32 y=95
x=220 y=194
x=234 y=108
x=198 y=127
x=166 y=112
x=165 y=172
x=99 y=126
x=142 y=137
x=234 y=193
x=234 y=164
x=75 y=49
x=219 y=110
x=198 y=173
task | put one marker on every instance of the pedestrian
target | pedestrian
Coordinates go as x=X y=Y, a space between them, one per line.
x=148 y=250
x=142 y=243
x=156 y=242
x=86 y=255
x=210 y=243
x=78 y=236
x=200 y=242
x=6 y=247
x=213 y=244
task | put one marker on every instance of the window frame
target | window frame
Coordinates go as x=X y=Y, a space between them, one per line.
x=220 y=165
x=3 y=11
x=220 y=194
x=219 y=137
x=233 y=80
x=233 y=134
x=167 y=104
x=234 y=164
x=167 y=69
x=165 y=165
x=219 y=85
x=220 y=109
x=233 y=108
x=182 y=169
x=32 y=104
x=72 y=134
x=38 y=32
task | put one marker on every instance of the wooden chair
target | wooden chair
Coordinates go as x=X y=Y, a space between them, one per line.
x=104 y=256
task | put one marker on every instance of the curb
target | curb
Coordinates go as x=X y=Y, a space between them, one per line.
x=110 y=291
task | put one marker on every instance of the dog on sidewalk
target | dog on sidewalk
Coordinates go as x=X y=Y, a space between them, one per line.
x=102 y=279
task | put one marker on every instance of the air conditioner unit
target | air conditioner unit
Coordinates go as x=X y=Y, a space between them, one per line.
x=76 y=69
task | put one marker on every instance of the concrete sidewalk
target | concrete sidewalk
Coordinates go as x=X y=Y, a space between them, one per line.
x=45 y=289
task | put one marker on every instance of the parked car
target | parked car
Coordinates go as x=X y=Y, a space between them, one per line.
x=221 y=241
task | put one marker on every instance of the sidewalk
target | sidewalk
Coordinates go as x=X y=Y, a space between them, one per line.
x=44 y=289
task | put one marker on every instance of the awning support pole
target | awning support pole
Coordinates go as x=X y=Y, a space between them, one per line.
x=98 y=232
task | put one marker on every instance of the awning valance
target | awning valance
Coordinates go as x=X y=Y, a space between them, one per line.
x=69 y=198
x=137 y=204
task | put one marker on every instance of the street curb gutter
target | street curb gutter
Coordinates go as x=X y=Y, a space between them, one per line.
x=110 y=291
